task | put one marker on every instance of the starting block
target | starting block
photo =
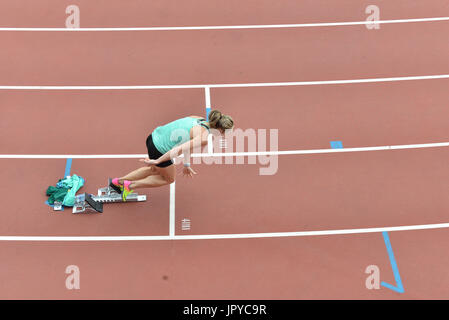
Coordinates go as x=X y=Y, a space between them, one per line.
x=57 y=206
x=92 y=202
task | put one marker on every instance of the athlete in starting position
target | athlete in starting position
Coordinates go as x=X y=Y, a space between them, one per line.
x=163 y=147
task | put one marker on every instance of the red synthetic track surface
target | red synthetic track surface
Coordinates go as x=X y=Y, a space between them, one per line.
x=312 y=192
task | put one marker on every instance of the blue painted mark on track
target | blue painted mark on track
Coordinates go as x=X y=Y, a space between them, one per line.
x=68 y=166
x=399 y=287
x=208 y=110
x=336 y=145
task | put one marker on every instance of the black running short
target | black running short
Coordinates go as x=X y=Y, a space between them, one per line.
x=154 y=153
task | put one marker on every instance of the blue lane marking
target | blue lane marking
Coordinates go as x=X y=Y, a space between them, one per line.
x=399 y=287
x=208 y=110
x=336 y=145
x=68 y=166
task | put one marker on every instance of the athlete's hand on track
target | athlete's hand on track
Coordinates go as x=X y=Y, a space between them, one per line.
x=188 y=172
x=149 y=162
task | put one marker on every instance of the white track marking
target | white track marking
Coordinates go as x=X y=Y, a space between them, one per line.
x=207 y=96
x=73 y=156
x=226 y=236
x=229 y=154
x=230 y=85
x=264 y=26
x=210 y=145
x=172 y=210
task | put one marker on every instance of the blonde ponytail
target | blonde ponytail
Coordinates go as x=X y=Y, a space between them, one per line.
x=217 y=120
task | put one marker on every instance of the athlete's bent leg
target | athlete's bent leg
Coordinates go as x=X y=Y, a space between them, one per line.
x=163 y=177
x=139 y=174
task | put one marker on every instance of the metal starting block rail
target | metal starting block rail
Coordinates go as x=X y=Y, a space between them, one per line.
x=94 y=203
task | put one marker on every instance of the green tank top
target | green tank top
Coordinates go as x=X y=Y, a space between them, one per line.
x=174 y=133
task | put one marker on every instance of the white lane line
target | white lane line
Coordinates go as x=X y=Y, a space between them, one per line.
x=229 y=85
x=210 y=145
x=227 y=236
x=229 y=154
x=262 y=26
x=207 y=96
x=172 y=210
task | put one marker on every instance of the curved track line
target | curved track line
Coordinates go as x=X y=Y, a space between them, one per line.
x=230 y=85
x=266 y=26
x=229 y=154
x=225 y=236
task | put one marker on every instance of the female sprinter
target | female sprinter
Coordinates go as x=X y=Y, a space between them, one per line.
x=162 y=148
